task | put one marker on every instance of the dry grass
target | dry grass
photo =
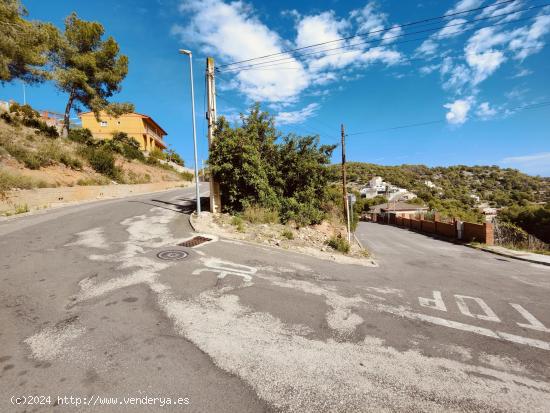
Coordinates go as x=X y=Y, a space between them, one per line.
x=258 y=215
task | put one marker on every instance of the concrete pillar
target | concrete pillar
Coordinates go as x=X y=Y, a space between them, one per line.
x=489 y=233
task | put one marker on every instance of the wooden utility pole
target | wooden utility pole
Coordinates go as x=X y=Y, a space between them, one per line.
x=344 y=182
x=215 y=199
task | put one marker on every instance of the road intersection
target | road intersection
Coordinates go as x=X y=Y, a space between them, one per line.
x=90 y=309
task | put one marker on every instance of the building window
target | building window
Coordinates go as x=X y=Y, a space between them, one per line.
x=103 y=123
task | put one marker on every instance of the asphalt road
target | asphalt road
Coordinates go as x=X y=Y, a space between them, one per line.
x=88 y=310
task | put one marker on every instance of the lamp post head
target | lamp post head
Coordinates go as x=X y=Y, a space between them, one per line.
x=187 y=52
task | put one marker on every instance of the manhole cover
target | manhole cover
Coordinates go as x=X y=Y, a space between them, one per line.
x=193 y=242
x=172 y=255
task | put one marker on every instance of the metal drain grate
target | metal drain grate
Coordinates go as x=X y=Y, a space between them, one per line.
x=193 y=242
x=172 y=255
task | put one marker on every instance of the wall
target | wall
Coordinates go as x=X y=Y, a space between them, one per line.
x=50 y=197
x=483 y=233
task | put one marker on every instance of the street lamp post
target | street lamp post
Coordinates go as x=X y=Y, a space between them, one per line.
x=188 y=53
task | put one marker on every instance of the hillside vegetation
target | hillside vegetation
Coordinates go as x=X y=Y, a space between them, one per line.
x=455 y=185
x=32 y=155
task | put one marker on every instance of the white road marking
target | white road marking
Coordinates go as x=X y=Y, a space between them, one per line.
x=436 y=303
x=464 y=309
x=534 y=324
x=544 y=345
x=225 y=268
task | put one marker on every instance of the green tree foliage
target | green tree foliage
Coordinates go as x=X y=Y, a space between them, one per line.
x=455 y=185
x=535 y=219
x=173 y=156
x=88 y=68
x=253 y=168
x=24 y=46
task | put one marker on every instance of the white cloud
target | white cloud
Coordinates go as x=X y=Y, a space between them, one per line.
x=464 y=5
x=298 y=116
x=426 y=70
x=233 y=33
x=537 y=163
x=369 y=19
x=392 y=35
x=484 y=64
x=527 y=40
x=427 y=48
x=537 y=157
x=497 y=10
x=451 y=29
x=485 y=111
x=458 y=111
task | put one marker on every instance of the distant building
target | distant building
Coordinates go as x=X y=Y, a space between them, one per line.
x=52 y=119
x=398 y=208
x=377 y=186
x=4 y=106
x=142 y=128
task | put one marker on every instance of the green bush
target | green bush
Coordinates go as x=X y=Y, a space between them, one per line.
x=238 y=223
x=126 y=146
x=103 y=161
x=339 y=244
x=187 y=176
x=288 y=234
x=82 y=135
x=27 y=116
x=73 y=163
x=157 y=154
x=254 y=166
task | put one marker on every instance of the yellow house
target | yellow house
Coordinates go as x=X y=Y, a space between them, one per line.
x=140 y=127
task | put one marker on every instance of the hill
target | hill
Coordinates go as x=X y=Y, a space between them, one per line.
x=32 y=155
x=456 y=188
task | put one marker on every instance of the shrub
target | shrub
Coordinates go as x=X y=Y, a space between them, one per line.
x=339 y=244
x=238 y=223
x=254 y=166
x=157 y=154
x=258 y=215
x=71 y=162
x=29 y=117
x=288 y=234
x=126 y=146
x=103 y=162
x=187 y=176
x=82 y=135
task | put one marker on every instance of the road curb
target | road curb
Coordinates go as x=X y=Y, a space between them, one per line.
x=191 y=222
x=508 y=255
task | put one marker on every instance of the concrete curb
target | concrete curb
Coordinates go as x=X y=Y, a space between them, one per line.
x=508 y=255
x=191 y=222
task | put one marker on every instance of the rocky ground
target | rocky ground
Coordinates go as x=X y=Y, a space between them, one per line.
x=311 y=240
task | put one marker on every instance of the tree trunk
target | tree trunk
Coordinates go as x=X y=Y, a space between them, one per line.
x=66 y=118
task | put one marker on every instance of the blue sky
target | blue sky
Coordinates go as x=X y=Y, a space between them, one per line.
x=470 y=81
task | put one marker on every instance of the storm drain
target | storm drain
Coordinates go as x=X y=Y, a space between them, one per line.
x=193 y=242
x=172 y=255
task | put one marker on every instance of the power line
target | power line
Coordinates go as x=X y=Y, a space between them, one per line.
x=272 y=63
x=372 y=32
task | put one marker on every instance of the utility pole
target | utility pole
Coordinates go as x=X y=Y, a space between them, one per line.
x=215 y=198
x=344 y=182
